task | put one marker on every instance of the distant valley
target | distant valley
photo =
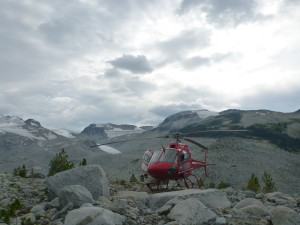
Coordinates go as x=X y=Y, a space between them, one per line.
x=272 y=144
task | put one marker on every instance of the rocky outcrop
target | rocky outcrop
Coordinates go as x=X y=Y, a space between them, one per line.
x=284 y=215
x=76 y=194
x=191 y=211
x=212 y=198
x=75 y=205
x=93 y=215
x=91 y=177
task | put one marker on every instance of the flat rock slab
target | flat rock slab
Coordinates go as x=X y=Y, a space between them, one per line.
x=93 y=216
x=76 y=194
x=247 y=202
x=191 y=211
x=211 y=198
x=92 y=177
x=283 y=215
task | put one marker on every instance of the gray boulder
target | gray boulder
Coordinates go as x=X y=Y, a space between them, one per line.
x=252 y=207
x=191 y=211
x=282 y=215
x=93 y=216
x=76 y=194
x=212 y=198
x=247 y=202
x=92 y=177
x=254 y=210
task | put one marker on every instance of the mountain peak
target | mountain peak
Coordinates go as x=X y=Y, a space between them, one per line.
x=32 y=122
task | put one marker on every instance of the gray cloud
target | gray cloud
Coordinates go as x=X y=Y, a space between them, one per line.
x=185 y=41
x=225 y=12
x=168 y=109
x=134 y=64
x=277 y=100
x=198 y=61
x=54 y=54
x=112 y=73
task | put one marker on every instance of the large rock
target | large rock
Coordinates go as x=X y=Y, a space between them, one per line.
x=92 y=177
x=191 y=211
x=255 y=210
x=212 y=198
x=76 y=194
x=252 y=207
x=282 y=215
x=247 y=202
x=93 y=216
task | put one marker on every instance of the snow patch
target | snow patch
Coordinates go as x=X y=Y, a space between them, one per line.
x=51 y=136
x=109 y=149
x=64 y=133
x=260 y=113
x=115 y=132
x=13 y=124
x=205 y=113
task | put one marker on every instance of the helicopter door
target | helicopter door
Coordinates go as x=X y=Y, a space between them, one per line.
x=146 y=159
x=185 y=163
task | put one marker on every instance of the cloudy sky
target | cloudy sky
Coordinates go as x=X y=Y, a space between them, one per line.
x=71 y=63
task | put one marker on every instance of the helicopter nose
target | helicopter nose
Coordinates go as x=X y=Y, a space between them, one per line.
x=171 y=170
x=161 y=170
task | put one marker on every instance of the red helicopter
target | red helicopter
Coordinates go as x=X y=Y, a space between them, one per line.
x=173 y=163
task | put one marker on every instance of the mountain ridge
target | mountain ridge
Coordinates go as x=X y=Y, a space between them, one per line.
x=235 y=154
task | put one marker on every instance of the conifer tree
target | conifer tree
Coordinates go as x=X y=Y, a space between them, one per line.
x=269 y=184
x=60 y=163
x=253 y=184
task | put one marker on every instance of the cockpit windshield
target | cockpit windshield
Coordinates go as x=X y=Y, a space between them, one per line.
x=168 y=156
x=164 y=156
x=155 y=156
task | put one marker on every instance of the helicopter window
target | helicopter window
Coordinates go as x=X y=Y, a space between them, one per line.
x=147 y=158
x=155 y=156
x=168 y=156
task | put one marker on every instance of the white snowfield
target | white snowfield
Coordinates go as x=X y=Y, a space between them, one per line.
x=115 y=132
x=62 y=132
x=205 y=113
x=13 y=124
x=109 y=149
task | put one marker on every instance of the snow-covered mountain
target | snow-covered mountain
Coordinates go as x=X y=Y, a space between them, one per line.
x=30 y=128
x=63 y=132
x=271 y=135
x=179 y=120
x=110 y=130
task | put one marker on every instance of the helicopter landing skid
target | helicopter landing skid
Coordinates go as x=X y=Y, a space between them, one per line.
x=157 y=185
x=192 y=181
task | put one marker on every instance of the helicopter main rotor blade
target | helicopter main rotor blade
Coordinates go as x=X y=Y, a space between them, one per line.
x=134 y=139
x=208 y=131
x=175 y=135
x=196 y=143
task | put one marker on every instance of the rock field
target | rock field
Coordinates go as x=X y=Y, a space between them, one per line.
x=75 y=203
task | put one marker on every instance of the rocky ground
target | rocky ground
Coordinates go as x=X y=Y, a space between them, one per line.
x=131 y=204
